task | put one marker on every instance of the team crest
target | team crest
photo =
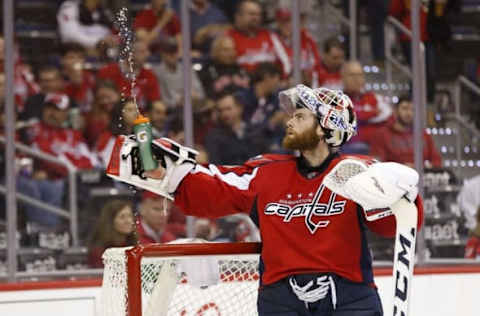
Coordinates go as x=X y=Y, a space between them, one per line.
x=309 y=210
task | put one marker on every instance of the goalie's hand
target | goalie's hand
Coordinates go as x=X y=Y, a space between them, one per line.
x=175 y=162
x=157 y=174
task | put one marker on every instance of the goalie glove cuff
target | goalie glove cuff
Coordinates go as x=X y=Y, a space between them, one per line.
x=178 y=173
x=178 y=161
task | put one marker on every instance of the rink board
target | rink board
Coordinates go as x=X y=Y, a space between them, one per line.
x=440 y=293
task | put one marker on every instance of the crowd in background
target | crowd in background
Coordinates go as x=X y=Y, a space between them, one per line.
x=74 y=111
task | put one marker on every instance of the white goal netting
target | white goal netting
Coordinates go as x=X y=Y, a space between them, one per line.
x=173 y=284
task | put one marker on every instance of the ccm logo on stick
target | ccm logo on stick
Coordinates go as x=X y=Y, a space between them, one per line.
x=402 y=274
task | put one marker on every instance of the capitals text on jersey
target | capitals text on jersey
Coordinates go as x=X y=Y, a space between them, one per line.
x=308 y=210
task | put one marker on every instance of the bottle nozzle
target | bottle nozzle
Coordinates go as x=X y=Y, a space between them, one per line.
x=141 y=119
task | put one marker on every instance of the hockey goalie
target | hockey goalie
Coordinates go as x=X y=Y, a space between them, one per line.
x=312 y=208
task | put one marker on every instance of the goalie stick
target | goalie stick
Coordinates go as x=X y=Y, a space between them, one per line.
x=405 y=214
x=342 y=180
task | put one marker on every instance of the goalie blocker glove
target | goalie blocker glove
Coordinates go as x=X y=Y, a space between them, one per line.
x=375 y=187
x=382 y=185
x=125 y=164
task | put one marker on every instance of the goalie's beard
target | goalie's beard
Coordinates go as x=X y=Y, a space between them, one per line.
x=305 y=141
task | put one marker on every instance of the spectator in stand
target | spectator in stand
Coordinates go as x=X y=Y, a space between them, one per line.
x=328 y=73
x=472 y=248
x=206 y=23
x=146 y=84
x=50 y=81
x=229 y=7
x=23 y=165
x=123 y=115
x=25 y=85
x=115 y=228
x=309 y=55
x=477 y=77
x=469 y=200
x=2 y=110
x=222 y=70
x=98 y=119
x=2 y=146
x=202 y=125
x=156 y=24
x=260 y=103
x=204 y=229
x=394 y=142
x=85 y=22
x=170 y=77
x=2 y=130
x=434 y=31
x=372 y=111
x=50 y=136
x=152 y=225
x=79 y=82
x=253 y=43
x=376 y=12
x=400 y=9
x=234 y=141
x=157 y=113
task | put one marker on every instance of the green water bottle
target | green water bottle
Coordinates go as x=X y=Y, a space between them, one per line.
x=143 y=132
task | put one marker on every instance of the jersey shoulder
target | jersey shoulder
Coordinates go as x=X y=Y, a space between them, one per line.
x=266 y=159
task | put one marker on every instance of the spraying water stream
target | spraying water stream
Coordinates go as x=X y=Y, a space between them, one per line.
x=126 y=50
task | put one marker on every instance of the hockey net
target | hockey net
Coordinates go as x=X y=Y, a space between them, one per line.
x=201 y=279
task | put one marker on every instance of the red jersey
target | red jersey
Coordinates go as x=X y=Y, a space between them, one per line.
x=326 y=78
x=95 y=125
x=472 y=248
x=83 y=93
x=64 y=143
x=104 y=147
x=396 y=146
x=304 y=227
x=264 y=46
x=25 y=85
x=148 y=19
x=400 y=9
x=146 y=84
x=309 y=56
x=372 y=112
x=146 y=235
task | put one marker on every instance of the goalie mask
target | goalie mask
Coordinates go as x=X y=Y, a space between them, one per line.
x=333 y=109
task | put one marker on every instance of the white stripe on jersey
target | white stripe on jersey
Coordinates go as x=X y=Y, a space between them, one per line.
x=241 y=182
x=281 y=54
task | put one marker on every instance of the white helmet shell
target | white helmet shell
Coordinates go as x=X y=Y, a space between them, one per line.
x=333 y=108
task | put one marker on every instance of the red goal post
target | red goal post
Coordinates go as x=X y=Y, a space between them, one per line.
x=181 y=279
